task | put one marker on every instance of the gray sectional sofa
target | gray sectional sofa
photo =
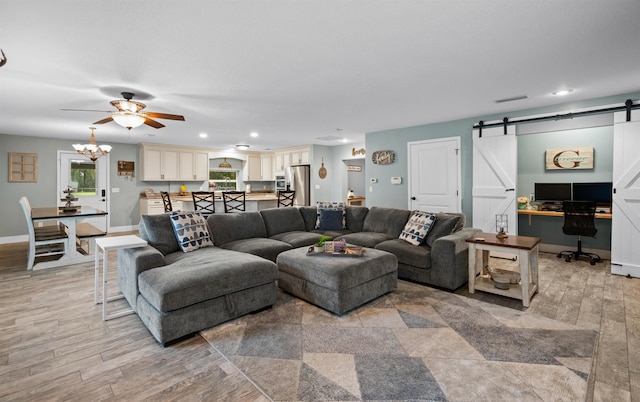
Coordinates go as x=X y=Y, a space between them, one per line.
x=176 y=294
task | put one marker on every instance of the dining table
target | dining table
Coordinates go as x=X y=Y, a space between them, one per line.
x=70 y=220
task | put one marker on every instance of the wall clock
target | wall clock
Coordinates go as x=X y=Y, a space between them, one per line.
x=385 y=157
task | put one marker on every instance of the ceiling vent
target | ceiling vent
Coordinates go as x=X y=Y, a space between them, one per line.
x=515 y=98
x=330 y=138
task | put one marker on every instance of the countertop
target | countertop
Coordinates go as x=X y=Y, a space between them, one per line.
x=254 y=196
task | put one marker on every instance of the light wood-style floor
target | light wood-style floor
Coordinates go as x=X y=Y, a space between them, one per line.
x=55 y=346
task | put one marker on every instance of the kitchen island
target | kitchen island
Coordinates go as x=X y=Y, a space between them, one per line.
x=255 y=201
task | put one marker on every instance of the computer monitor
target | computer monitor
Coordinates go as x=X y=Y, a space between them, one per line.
x=552 y=192
x=598 y=192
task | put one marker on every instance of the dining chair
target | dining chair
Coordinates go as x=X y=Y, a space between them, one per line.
x=166 y=201
x=579 y=220
x=234 y=201
x=204 y=202
x=286 y=198
x=45 y=240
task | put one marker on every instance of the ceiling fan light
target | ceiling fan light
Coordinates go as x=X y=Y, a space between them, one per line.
x=128 y=120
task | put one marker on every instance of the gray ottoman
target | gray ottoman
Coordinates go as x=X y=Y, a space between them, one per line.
x=337 y=283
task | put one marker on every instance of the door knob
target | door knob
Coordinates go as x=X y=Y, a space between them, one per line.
x=413 y=198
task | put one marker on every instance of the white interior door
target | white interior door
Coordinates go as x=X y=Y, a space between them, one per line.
x=434 y=175
x=625 y=225
x=89 y=180
x=495 y=170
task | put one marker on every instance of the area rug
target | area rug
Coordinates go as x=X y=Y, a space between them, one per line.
x=416 y=343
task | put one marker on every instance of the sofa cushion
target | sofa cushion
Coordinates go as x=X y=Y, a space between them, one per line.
x=365 y=239
x=416 y=229
x=298 y=239
x=386 y=220
x=193 y=278
x=445 y=224
x=191 y=230
x=407 y=253
x=158 y=232
x=309 y=216
x=331 y=206
x=280 y=220
x=263 y=247
x=226 y=228
x=354 y=217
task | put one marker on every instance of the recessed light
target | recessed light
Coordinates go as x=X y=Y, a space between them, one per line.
x=345 y=140
x=149 y=135
x=203 y=135
x=254 y=134
x=562 y=92
x=242 y=147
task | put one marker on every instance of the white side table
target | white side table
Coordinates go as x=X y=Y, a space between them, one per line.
x=103 y=245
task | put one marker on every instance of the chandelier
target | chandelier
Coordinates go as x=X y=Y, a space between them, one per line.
x=91 y=150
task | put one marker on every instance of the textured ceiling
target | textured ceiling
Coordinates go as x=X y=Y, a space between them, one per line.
x=297 y=71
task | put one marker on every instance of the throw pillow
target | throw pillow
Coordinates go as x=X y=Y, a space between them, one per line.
x=331 y=206
x=330 y=220
x=445 y=224
x=191 y=230
x=417 y=227
x=158 y=231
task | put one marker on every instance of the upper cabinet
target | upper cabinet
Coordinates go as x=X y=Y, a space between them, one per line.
x=259 y=168
x=285 y=158
x=168 y=163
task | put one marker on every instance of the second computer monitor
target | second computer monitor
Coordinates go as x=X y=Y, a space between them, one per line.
x=601 y=193
x=552 y=192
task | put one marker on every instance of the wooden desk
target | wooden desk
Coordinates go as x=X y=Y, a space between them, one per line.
x=531 y=212
x=69 y=219
x=526 y=247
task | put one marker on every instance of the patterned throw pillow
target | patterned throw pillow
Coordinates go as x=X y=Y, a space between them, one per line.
x=417 y=227
x=191 y=230
x=331 y=206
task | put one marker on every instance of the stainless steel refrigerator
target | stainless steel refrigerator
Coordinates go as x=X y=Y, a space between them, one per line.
x=298 y=178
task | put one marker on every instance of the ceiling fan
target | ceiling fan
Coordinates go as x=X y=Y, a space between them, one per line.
x=129 y=113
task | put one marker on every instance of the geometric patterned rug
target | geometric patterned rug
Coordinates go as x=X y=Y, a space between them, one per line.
x=415 y=343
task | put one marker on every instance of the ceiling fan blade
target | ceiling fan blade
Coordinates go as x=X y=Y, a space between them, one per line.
x=86 y=110
x=164 y=116
x=108 y=119
x=153 y=123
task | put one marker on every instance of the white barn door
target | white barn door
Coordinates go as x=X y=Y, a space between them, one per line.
x=494 y=178
x=434 y=175
x=625 y=225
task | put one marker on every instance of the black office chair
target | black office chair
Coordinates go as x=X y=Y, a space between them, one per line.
x=285 y=198
x=204 y=202
x=233 y=201
x=166 y=201
x=579 y=219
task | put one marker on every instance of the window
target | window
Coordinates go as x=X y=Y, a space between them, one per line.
x=223 y=179
x=83 y=177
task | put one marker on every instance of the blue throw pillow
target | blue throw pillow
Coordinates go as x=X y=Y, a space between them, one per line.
x=331 y=206
x=330 y=219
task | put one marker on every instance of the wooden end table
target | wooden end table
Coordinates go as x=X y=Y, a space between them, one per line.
x=480 y=247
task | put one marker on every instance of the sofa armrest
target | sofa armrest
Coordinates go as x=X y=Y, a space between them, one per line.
x=132 y=262
x=450 y=259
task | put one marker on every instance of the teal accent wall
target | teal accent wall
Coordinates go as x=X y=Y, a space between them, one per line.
x=389 y=195
x=124 y=204
x=531 y=169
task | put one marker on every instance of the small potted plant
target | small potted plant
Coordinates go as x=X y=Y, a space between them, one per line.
x=319 y=246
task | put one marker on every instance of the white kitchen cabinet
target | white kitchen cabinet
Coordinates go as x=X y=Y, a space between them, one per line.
x=165 y=163
x=194 y=165
x=159 y=164
x=259 y=167
x=266 y=162
x=154 y=206
x=300 y=157
x=282 y=160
